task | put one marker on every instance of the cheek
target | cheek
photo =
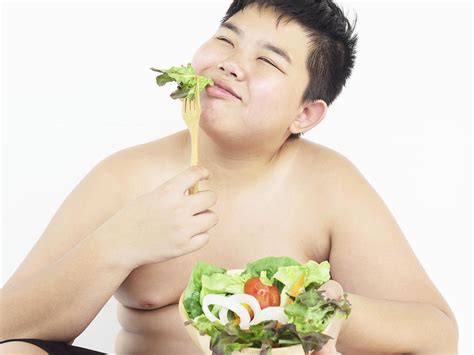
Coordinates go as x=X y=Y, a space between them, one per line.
x=206 y=56
x=266 y=97
x=264 y=90
x=272 y=103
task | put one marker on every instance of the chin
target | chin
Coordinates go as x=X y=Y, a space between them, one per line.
x=220 y=131
x=212 y=125
x=211 y=115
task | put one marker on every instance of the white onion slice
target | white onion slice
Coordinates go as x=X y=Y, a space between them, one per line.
x=247 y=299
x=234 y=272
x=223 y=315
x=227 y=303
x=270 y=313
x=240 y=298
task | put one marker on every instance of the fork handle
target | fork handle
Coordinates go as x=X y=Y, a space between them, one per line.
x=194 y=155
x=194 y=146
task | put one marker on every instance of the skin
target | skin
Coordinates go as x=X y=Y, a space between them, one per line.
x=246 y=231
x=239 y=139
x=274 y=197
x=244 y=144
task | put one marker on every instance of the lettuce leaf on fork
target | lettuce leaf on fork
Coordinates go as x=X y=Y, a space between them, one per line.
x=185 y=77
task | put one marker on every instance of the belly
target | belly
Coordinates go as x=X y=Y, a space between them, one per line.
x=157 y=332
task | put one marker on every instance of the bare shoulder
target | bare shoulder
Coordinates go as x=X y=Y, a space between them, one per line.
x=316 y=171
x=142 y=167
x=110 y=185
x=141 y=156
x=367 y=243
x=324 y=167
x=314 y=154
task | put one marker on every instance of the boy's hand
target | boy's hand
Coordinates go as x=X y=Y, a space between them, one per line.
x=333 y=290
x=162 y=224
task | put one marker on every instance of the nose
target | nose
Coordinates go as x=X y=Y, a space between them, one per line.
x=232 y=68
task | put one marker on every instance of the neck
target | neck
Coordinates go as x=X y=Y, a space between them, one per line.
x=231 y=164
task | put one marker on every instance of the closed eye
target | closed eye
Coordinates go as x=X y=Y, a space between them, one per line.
x=224 y=40
x=266 y=60
x=262 y=58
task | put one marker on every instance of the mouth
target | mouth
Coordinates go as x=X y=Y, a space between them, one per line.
x=221 y=89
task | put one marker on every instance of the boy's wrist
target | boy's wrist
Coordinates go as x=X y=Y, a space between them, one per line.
x=101 y=243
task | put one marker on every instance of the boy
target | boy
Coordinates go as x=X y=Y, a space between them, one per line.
x=270 y=192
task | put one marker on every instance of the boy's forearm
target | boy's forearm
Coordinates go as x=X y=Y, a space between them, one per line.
x=378 y=326
x=61 y=300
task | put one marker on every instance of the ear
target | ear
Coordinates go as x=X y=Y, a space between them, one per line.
x=312 y=114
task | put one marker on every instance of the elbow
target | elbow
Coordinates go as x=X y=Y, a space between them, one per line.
x=449 y=338
x=7 y=331
x=452 y=332
x=454 y=337
x=445 y=336
x=11 y=331
x=26 y=330
x=8 y=335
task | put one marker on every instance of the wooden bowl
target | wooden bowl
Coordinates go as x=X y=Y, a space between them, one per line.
x=202 y=341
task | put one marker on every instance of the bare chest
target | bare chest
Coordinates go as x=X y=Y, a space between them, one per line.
x=287 y=222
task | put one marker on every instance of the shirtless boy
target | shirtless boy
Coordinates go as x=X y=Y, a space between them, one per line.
x=129 y=230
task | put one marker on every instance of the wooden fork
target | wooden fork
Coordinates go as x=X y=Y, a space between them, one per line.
x=191 y=111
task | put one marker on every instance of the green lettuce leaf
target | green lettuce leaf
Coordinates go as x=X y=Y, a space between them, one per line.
x=221 y=284
x=264 y=279
x=269 y=264
x=312 y=312
x=308 y=315
x=264 y=336
x=185 y=77
x=205 y=326
x=191 y=297
x=314 y=274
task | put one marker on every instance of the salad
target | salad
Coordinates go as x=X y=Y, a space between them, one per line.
x=273 y=303
x=185 y=77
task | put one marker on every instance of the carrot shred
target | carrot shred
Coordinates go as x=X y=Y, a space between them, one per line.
x=294 y=290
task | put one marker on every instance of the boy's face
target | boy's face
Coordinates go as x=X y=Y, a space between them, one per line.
x=270 y=96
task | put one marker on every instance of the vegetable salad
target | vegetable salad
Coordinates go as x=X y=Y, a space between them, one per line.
x=274 y=302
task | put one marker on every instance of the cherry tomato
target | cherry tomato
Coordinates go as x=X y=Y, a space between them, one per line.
x=266 y=295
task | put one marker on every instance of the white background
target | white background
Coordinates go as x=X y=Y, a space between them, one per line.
x=77 y=87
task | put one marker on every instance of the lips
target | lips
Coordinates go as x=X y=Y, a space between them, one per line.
x=221 y=84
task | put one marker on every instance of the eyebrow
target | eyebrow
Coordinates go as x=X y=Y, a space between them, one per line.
x=265 y=44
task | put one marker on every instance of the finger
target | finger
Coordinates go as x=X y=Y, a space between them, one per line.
x=333 y=329
x=198 y=241
x=201 y=201
x=188 y=178
x=332 y=290
x=202 y=222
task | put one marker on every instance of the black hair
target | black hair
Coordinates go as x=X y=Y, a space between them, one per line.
x=332 y=42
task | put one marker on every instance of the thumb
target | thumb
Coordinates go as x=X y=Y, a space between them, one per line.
x=333 y=329
x=332 y=290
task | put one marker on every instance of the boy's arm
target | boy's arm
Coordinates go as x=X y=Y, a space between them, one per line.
x=396 y=307
x=70 y=274
x=63 y=298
